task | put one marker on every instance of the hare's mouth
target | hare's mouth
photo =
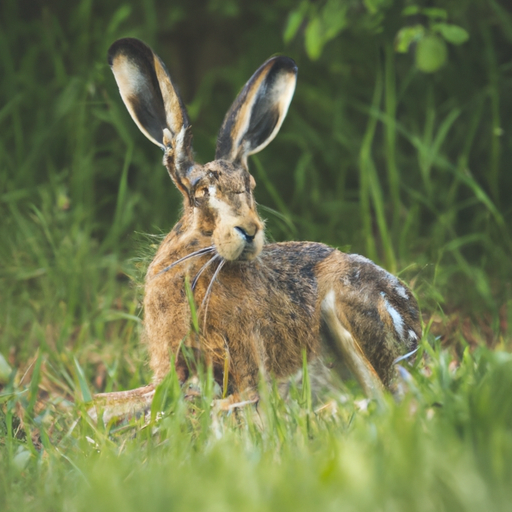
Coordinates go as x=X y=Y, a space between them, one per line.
x=243 y=251
x=248 y=253
x=238 y=244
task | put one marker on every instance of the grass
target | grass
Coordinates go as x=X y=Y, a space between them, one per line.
x=374 y=157
x=445 y=446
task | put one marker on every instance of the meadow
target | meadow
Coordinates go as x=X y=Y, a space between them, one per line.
x=397 y=146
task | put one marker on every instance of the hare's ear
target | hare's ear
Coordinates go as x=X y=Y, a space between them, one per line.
x=153 y=102
x=259 y=110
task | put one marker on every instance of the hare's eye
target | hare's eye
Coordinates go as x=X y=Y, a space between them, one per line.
x=201 y=192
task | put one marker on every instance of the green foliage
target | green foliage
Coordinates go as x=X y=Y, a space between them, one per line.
x=327 y=19
x=431 y=51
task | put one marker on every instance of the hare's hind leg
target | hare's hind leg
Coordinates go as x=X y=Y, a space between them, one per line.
x=349 y=349
x=122 y=405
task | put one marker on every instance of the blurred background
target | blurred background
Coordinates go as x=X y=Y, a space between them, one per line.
x=397 y=145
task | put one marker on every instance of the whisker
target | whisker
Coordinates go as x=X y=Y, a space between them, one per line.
x=203 y=268
x=217 y=270
x=205 y=250
x=206 y=298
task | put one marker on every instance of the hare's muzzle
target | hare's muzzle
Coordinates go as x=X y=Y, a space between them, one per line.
x=239 y=241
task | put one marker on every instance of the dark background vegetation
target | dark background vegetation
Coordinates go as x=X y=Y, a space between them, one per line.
x=410 y=168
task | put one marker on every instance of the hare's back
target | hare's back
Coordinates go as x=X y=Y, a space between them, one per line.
x=294 y=264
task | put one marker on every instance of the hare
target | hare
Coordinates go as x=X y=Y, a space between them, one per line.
x=260 y=306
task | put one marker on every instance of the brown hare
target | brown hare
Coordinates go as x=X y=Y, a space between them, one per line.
x=260 y=306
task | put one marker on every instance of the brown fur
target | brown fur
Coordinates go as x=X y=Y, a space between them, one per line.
x=260 y=307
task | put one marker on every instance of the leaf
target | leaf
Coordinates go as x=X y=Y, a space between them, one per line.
x=169 y=388
x=431 y=53
x=374 y=6
x=119 y=17
x=329 y=22
x=306 y=383
x=451 y=33
x=433 y=12
x=408 y=35
x=314 y=40
x=84 y=388
x=5 y=370
x=158 y=401
x=20 y=460
x=411 y=10
x=34 y=385
x=295 y=20
x=192 y=305
x=334 y=18
x=225 y=378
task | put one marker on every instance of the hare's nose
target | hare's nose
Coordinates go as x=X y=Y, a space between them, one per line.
x=248 y=238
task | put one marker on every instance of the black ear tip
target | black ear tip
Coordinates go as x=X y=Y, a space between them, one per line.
x=112 y=52
x=127 y=46
x=284 y=63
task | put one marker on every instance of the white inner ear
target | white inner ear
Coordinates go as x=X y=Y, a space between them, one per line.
x=280 y=95
x=132 y=83
x=129 y=79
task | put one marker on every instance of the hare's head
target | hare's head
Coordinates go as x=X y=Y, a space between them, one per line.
x=219 y=194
